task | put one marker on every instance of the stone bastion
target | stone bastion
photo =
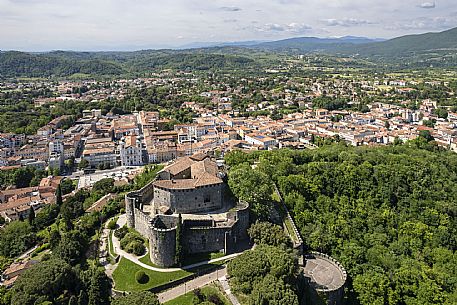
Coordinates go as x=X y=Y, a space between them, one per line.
x=326 y=278
x=203 y=232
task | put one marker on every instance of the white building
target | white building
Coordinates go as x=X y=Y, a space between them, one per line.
x=131 y=151
x=261 y=140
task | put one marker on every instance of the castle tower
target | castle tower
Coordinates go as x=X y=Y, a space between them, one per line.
x=162 y=241
x=130 y=210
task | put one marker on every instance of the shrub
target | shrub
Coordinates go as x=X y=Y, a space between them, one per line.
x=121 y=232
x=199 y=295
x=214 y=298
x=141 y=277
x=136 y=247
x=112 y=224
x=130 y=237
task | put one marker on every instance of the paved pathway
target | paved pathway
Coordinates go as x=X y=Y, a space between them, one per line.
x=104 y=254
x=26 y=254
x=225 y=285
x=198 y=282
x=117 y=249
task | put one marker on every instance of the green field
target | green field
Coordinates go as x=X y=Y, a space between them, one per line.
x=146 y=259
x=111 y=247
x=188 y=298
x=124 y=277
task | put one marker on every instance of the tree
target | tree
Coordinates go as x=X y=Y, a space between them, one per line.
x=137 y=298
x=179 y=249
x=104 y=186
x=59 y=199
x=66 y=186
x=71 y=247
x=23 y=176
x=426 y=135
x=386 y=213
x=31 y=217
x=83 y=164
x=272 y=292
x=268 y=234
x=15 y=238
x=249 y=271
x=45 y=281
x=252 y=186
x=133 y=242
x=97 y=285
x=46 y=216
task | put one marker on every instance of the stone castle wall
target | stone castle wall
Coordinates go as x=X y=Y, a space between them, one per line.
x=241 y=216
x=136 y=200
x=201 y=237
x=194 y=200
x=206 y=239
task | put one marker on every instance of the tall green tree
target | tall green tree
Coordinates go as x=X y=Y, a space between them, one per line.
x=59 y=199
x=31 y=217
x=179 y=236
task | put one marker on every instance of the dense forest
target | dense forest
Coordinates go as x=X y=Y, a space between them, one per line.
x=388 y=214
x=62 y=64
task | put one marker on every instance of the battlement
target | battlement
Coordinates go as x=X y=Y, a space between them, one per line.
x=326 y=277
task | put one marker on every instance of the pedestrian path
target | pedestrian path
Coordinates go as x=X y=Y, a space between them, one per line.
x=225 y=285
x=198 y=282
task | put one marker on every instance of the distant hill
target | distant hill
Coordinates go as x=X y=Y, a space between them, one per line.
x=411 y=44
x=63 y=63
x=43 y=65
x=424 y=50
x=429 y=49
x=199 y=45
x=313 y=44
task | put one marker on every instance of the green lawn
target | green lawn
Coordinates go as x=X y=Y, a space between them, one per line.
x=124 y=276
x=147 y=260
x=111 y=247
x=187 y=299
x=190 y=259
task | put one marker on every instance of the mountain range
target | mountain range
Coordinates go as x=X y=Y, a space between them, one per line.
x=422 y=50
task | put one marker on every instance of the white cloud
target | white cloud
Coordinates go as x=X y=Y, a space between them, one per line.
x=347 y=22
x=230 y=8
x=428 y=5
x=425 y=23
x=126 y=24
x=296 y=28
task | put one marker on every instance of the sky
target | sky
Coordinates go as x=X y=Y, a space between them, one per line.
x=89 y=25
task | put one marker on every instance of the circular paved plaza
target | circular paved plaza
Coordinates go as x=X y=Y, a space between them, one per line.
x=324 y=274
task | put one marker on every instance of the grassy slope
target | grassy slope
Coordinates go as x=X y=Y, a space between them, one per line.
x=124 y=277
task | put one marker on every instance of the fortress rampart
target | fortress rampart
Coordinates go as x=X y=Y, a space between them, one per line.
x=326 y=278
x=202 y=234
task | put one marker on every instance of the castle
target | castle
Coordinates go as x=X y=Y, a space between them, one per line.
x=192 y=187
